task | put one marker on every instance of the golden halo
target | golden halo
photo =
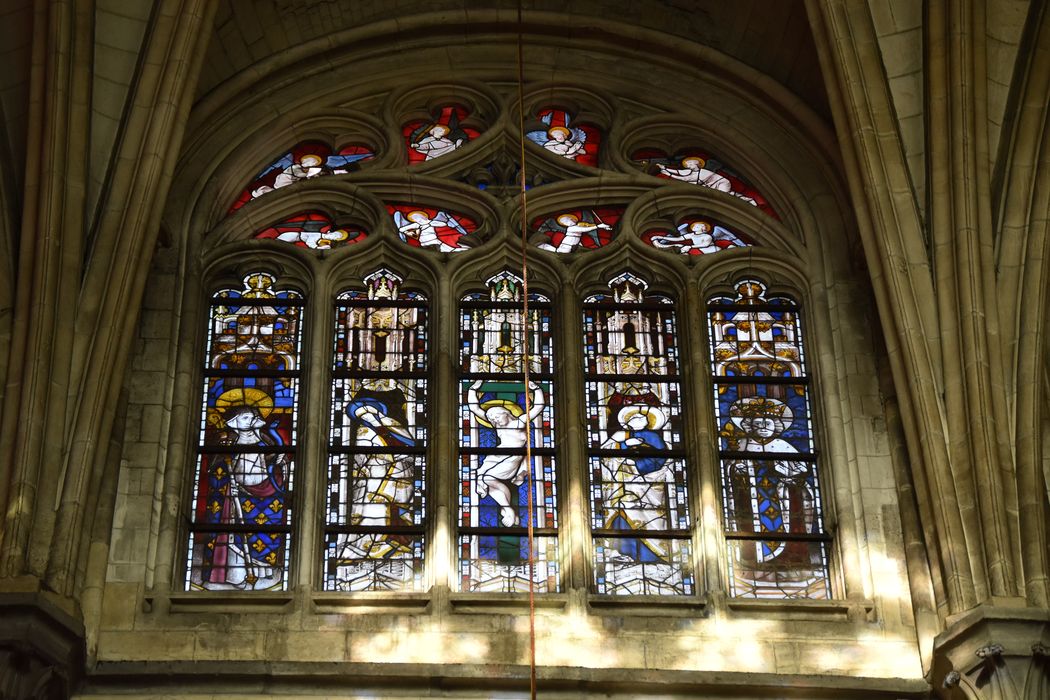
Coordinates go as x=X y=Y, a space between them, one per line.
x=304 y=156
x=512 y=408
x=245 y=396
x=653 y=415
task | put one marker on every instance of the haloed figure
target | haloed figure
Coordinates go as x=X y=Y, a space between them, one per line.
x=498 y=473
x=561 y=142
x=252 y=485
x=437 y=142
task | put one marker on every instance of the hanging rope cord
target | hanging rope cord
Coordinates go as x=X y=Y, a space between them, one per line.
x=527 y=362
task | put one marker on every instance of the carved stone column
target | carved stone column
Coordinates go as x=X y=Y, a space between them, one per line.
x=41 y=648
x=994 y=653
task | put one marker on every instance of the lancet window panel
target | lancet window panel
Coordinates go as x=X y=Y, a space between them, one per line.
x=241 y=518
x=774 y=519
x=638 y=467
x=503 y=415
x=376 y=504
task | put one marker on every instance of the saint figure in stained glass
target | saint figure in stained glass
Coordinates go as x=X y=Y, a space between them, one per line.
x=246 y=488
x=499 y=473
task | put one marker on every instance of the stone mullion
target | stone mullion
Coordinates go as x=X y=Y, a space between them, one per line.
x=443 y=452
x=573 y=468
x=311 y=468
x=175 y=491
x=118 y=263
x=710 y=551
x=961 y=231
x=892 y=236
x=838 y=468
x=35 y=422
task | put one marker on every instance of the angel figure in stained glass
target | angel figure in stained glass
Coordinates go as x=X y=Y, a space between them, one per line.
x=697 y=238
x=307 y=166
x=695 y=172
x=312 y=236
x=560 y=138
x=443 y=231
x=568 y=230
x=246 y=488
x=770 y=491
x=436 y=140
x=511 y=426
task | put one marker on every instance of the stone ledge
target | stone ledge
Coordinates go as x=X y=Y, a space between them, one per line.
x=234 y=602
x=630 y=605
x=217 y=677
x=802 y=609
x=369 y=602
x=505 y=602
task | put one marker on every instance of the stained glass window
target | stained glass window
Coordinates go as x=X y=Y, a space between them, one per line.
x=695 y=236
x=375 y=505
x=439 y=136
x=770 y=488
x=306 y=160
x=576 y=229
x=698 y=167
x=564 y=137
x=427 y=227
x=314 y=230
x=638 y=485
x=499 y=414
x=242 y=502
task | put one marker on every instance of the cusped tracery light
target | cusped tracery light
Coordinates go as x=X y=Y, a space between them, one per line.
x=576 y=229
x=562 y=136
x=375 y=506
x=242 y=505
x=638 y=471
x=774 y=521
x=433 y=228
x=499 y=414
x=314 y=230
x=695 y=236
x=304 y=161
x=697 y=167
x=445 y=132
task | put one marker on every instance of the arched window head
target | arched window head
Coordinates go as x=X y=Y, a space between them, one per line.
x=375 y=509
x=771 y=492
x=503 y=415
x=639 y=492
x=242 y=505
